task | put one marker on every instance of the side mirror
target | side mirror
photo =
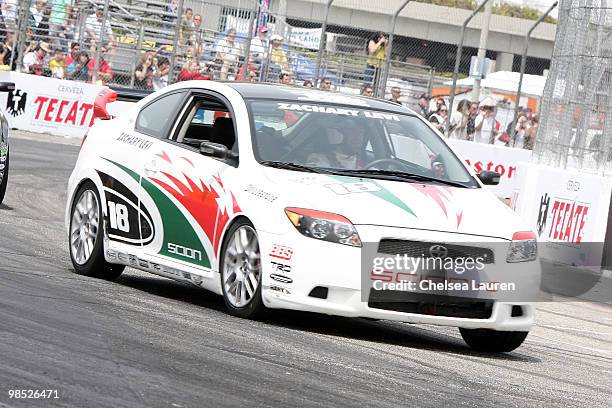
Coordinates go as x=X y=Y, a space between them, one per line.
x=489 y=178
x=7 y=86
x=217 y=150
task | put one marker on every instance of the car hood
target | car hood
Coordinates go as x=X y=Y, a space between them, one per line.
x=366 y=201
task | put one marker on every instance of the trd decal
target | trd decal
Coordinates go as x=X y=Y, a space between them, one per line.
x=124 y=213
x=280 y=268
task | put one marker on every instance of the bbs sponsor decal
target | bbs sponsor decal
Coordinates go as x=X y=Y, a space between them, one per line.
x=127 y=222
x=281 y=252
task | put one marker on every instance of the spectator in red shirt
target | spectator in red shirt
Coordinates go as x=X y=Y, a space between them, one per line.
x=191 y=71
x=105 y=72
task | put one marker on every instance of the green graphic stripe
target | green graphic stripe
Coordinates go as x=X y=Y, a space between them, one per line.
x=382 y=193
x=177 y=229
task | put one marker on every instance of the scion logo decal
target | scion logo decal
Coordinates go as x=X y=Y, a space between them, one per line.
x=184 y=252
x=16 y=102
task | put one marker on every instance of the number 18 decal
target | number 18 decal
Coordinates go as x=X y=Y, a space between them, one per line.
x=118 y=215
x=350 y=188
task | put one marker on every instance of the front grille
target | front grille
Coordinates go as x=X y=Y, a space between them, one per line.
x=418 y=249
x=429 y=304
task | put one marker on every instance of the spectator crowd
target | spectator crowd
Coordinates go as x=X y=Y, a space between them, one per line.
x=55 y=46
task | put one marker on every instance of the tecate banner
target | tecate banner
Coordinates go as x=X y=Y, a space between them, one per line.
x=49 y=105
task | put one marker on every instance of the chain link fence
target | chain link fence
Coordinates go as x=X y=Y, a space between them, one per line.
x=343 y=44
x=576 y=127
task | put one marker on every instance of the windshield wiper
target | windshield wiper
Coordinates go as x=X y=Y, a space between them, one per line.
x=291 y=166
x=400 y=175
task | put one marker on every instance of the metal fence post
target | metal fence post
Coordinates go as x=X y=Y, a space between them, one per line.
x=247 y=49
x=175 y=45
x=451 y=97
x=138 y=52
x=322 y=42
x=23 y=31
x=523 y=63
x=383 y=84
x=99 y=45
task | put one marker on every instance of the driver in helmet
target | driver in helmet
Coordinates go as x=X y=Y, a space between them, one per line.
x=344 y=150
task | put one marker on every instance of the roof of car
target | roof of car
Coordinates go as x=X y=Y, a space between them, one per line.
x=285 y=92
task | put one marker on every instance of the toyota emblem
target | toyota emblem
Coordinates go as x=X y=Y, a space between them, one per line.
x=438 y=251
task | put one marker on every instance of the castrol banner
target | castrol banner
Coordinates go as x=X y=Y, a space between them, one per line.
x=49 y=105
x=501 y=159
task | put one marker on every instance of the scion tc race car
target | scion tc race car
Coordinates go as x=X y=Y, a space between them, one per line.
x=4 y=143
x=272 y=196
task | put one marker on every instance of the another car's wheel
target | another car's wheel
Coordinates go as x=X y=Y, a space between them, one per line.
x=241 y=271
x=493 y=340
x=4 y=178
x=85 y=239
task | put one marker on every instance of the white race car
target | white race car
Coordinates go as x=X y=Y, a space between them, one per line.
x=282 y=197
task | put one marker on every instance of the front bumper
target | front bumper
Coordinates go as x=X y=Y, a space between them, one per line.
x=289 y=281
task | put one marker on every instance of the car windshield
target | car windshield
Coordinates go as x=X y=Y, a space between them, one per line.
x=320 y=137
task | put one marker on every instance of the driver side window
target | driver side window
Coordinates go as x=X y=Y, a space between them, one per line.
x=207 y=118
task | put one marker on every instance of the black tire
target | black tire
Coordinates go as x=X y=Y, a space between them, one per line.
x=255 y=307
x=4 y=179
x=493 y=340
x=95 y=266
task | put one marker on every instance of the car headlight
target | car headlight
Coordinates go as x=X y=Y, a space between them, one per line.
x=523 y=248
x=324 y=226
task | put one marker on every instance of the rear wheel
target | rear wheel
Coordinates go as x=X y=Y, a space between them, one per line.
x=85 y=239
x=241 y=271
x=4 y=178
x=493 y=340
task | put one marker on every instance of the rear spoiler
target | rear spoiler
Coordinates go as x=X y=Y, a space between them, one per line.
x=108 y=95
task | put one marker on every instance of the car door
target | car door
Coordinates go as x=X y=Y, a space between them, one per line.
x=187 y=188
x=129 y=224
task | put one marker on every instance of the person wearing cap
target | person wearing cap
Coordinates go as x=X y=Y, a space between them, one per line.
x=278 y=58
x=259 y=46
x=229 y=52
x=33 y=61
x=485 y=124
x=93 y=28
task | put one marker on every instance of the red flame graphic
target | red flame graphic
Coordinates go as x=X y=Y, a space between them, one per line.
x=441 y=195
x=202 y=203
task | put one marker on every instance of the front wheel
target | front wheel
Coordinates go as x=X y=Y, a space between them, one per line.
x=493 y=340
x=4 y=177
x=85 y=239
x=241 y=271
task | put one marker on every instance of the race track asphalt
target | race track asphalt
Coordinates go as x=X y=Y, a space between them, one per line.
x=145 y=341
